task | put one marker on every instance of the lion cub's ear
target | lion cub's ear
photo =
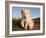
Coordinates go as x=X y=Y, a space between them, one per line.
x=21 y=11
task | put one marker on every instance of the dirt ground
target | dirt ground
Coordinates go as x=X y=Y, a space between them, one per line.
x=36 y=26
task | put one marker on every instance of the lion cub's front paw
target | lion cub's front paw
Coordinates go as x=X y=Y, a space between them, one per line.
x=31 y=26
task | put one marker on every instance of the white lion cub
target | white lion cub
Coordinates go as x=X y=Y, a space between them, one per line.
x=26 y=20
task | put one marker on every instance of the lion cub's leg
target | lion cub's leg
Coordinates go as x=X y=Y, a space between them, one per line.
x=31 y=25
x=26 y=24
x=22 y=23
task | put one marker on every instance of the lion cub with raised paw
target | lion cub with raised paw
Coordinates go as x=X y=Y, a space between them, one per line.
x=26 y=20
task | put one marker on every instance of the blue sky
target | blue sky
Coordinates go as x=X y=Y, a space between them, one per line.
x=16 y=12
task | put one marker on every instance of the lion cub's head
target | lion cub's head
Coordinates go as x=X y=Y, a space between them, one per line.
x=25 y=12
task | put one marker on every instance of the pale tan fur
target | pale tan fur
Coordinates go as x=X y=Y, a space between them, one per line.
x=26 y=18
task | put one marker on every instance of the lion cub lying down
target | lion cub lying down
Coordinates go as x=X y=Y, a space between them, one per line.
x=26 y=20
